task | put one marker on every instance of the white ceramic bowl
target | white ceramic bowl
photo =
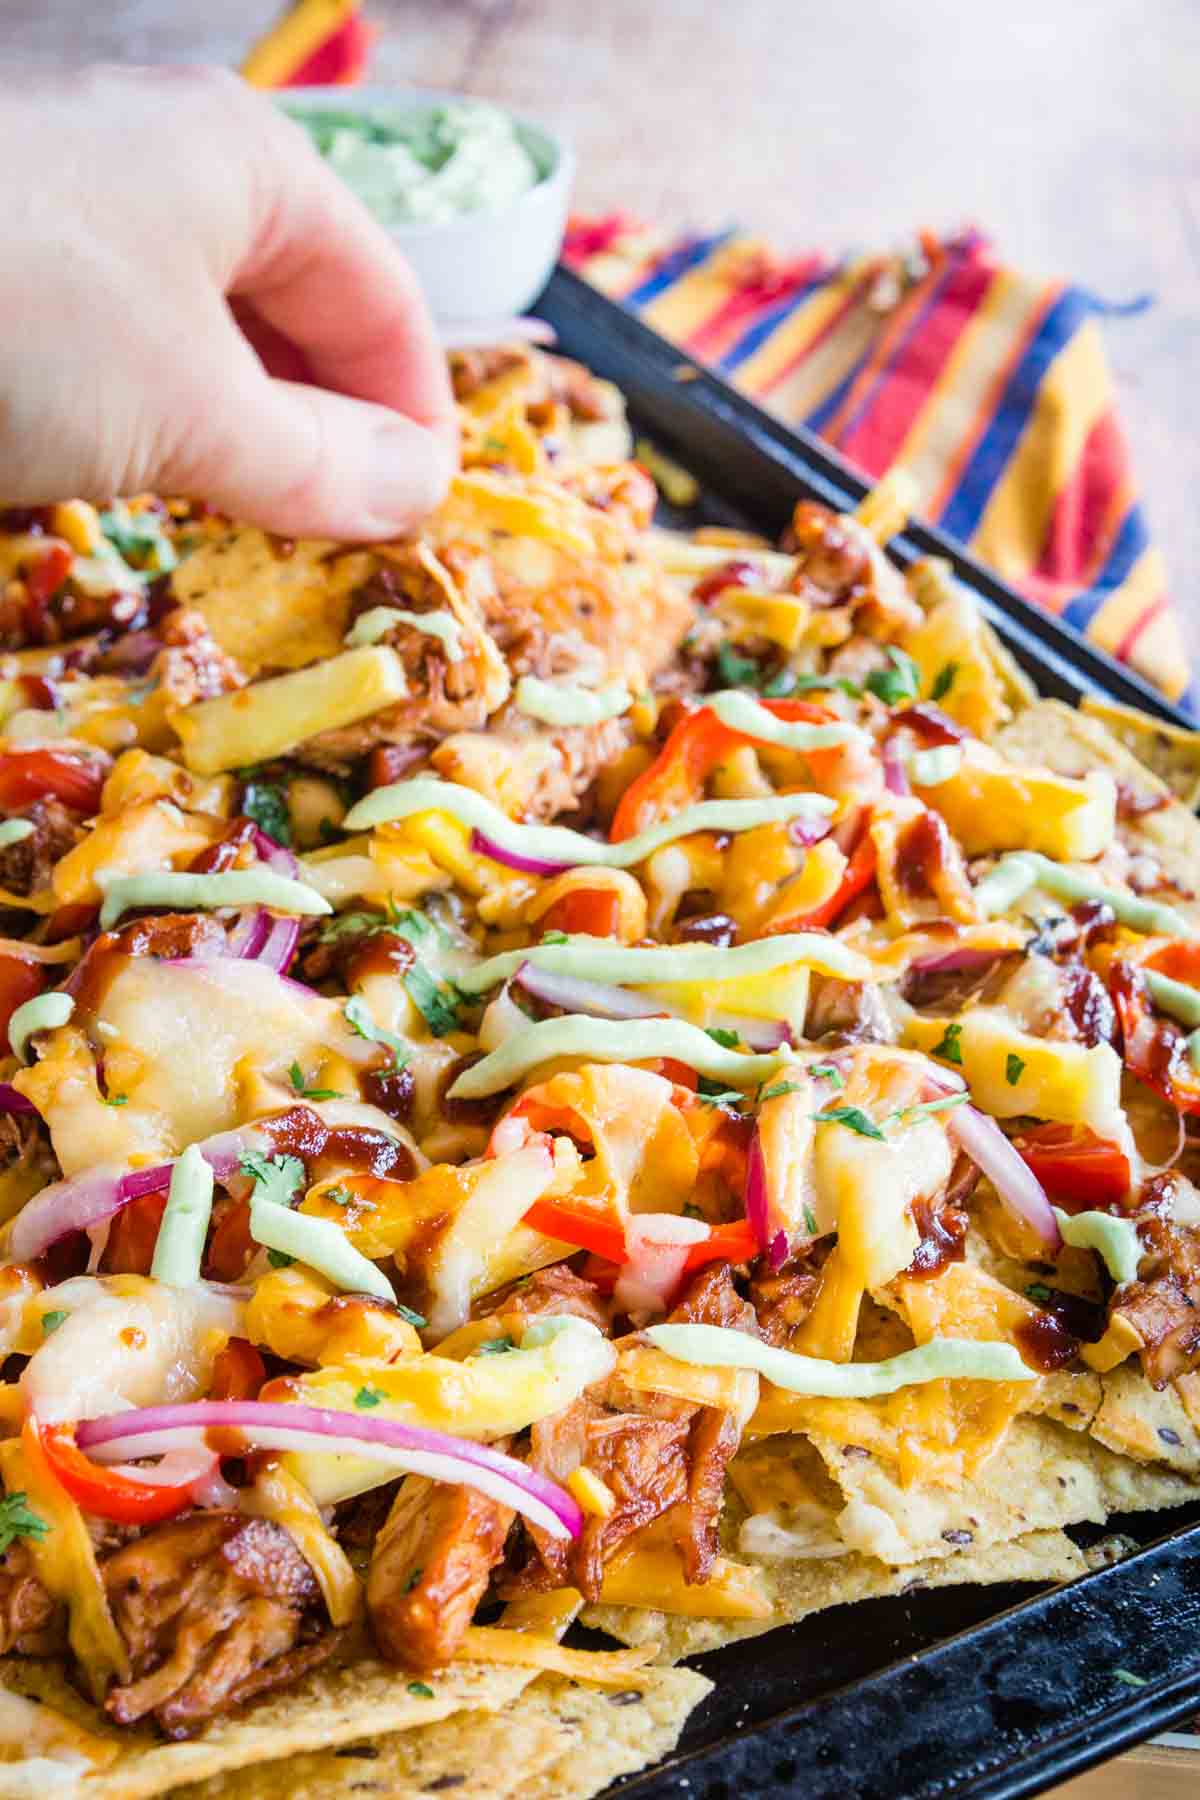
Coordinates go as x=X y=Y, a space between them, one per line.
x=479 y=266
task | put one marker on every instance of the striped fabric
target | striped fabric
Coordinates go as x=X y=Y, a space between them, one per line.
x=990 y=387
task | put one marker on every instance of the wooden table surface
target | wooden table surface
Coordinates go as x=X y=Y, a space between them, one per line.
x=1070 y=133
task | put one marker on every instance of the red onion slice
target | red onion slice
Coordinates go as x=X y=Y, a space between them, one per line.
x=602 y=1000
x=82 y=1202
x=1017 y=1185
x=275 y=855
x=270 y=1426
x=966 y=957
x=755 y=1197
x=895 y=775
x=512 y=859
x=248 y=935
x=280 y=946
x=12 y=1102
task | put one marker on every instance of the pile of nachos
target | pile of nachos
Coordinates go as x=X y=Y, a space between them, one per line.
x=553 y=1070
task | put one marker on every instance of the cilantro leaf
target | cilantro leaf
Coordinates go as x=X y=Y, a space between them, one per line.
x=926 y=1107
x=495 y=1347
x=1037 y=1290
x=900 y=681
x=266 y=803
x=279 y=1259
x=804 y=684
x=359 y=1019
x=51 y=1321
x=116 y=1099
x=277 y=1178
x=720 y=1034
x=1014 y=1068
x=19 y=1520
x=828 y=1072
x=810 y=1220
x=139 y=538
x=339 y=1195
x=1129 y=1680
x=368 y=1396
x=296 y=1076
x=412 y=1581
x=554 y=937
x=950 y=1050
x=779 y=1089
x=709 y=1094
x=943 y=681
x=852 y=1117
x=737 y=671
x=421 y=1690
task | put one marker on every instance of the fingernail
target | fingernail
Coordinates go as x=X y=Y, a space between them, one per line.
x=407 y=474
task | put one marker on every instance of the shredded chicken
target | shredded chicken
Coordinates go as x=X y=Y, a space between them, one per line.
x=430 y=1568
x=30 y=1620
x=26 y=865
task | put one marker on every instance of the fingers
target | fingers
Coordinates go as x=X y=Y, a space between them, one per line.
x=303 y=461
x=321 y=273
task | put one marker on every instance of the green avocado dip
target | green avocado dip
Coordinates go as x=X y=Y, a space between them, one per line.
x=423 y=168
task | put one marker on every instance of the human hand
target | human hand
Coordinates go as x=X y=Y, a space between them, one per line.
x=190 y=301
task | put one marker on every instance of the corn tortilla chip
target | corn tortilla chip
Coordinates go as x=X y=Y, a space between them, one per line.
x=1149 y=1425
x=800 y=1588
x=301 y=596
x=335 y=1705
x=1171 y=751
x=609 y=1735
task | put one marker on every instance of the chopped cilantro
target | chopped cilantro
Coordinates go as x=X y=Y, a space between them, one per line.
x=51 y=1321
x=412 y=1318
x=368 y=1396
x=438 y=1002
x=1037 y=1290
x=495 y=1347
x=690 y=1211
x=720 y=1034
x=412 y=1581
x=709 y=1094
x=779 y=1089
x=827 y=1072
x=810 y=1220
x=779 y=686
x=950 y=1050
x=421 y=1690
x=1014 y=1068
x=296 y=1075
x=139 y=537
x=926 y=1107
x=900 y=681
x=328 y=832
x=554 y=937
x=19 y=1520
x=354 y=924
x=852 y=1117
x=1127 y=1679
x=340 y=1196
x=277 y=1177
x=803 y=684
x=943 y=681
x=359 y=1019
x=279 y=1259
x=266 y=803
x=737 y=671
x=116 y=1099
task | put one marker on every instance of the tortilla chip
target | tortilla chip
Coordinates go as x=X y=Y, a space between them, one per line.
x=609 y=1735
x=800 y=1588
x=473 y=1756
x=1051 y=735
x=1042 y=1477
x=335 y=1705
x=270 y=605
x=1172 y=751
x=1150 y=1425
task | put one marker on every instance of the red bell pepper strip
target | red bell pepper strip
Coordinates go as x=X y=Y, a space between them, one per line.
x=105 y=1493
x=1077 y=1169
x=858 y=876
x=698 y=743
x=577 y=1225
x=1156 y=1048
x=27 y=775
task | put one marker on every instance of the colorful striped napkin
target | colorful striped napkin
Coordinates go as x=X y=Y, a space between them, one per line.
x=990 y=386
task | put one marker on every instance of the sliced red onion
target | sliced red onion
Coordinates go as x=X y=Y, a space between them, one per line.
x=250 y=934
x=156 y=1430
x=777 y=1251
x=656 y=1253
x=807 y=832
x=82 y=1202
x=275 y=855
x=178 y=1468
x=512 y=859
x=895 y=775
x=133 y=653
x=948 y=962
x=1017 y=1185
x=755 y=1197
x=602 y=1000
x=12 y=1102
x=280 y=947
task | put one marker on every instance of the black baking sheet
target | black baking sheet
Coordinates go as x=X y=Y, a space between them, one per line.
x=987 y=1692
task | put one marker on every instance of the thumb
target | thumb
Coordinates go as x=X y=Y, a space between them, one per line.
x=305 y=462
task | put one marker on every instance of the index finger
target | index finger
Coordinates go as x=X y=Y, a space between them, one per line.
x=321 y=271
